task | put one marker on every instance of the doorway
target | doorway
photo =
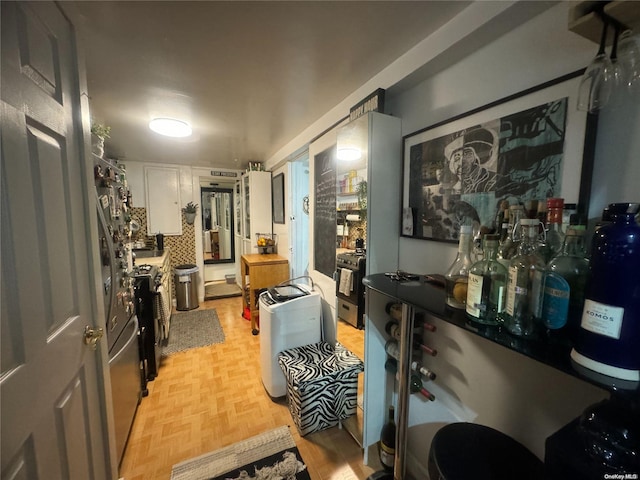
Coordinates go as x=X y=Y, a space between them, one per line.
x=299 y=225
x=218 y=241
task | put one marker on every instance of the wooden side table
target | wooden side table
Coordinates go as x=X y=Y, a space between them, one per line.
x=263 y=270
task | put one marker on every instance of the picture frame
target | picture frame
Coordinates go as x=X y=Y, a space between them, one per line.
x=525 y=147
x=277 y=198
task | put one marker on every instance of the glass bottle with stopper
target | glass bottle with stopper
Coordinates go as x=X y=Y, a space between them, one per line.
x=457 y=275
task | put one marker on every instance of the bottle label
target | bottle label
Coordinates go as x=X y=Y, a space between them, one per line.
x=602 y=319
x=555 y=301
x=387 y=455
x=474 y=295
x=513 y=289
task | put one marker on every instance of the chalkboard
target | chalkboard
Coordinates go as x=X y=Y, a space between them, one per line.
x=324 y=233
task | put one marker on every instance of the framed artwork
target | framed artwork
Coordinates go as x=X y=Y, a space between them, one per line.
x=277 y=192
x=529 y=146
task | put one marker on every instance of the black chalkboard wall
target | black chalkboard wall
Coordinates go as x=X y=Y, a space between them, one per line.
x=324 y=230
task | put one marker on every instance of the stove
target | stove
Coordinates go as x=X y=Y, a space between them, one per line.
x=351 y=268
x=145 y=271
x=146 y=281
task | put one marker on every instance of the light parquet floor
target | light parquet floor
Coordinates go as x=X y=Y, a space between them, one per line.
x=210 y=397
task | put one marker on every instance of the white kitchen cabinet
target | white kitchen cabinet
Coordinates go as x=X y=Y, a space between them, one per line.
x=256 y=208
x=164 y=211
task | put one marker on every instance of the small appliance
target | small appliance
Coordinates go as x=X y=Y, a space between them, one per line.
x=290 y=316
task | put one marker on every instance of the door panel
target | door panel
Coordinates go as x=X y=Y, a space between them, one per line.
x=53 y=404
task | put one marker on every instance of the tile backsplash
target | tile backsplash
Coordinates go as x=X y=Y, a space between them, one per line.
x=183 y=247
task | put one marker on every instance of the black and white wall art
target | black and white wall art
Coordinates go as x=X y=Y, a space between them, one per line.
x=528 y=146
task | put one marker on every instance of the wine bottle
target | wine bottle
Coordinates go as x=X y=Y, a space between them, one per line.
x=415 y=382
x=395 y=311
x=393 y=350
x=387 y=446
x=393 y=329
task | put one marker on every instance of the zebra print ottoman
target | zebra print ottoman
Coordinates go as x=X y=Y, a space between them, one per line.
x=322 y=384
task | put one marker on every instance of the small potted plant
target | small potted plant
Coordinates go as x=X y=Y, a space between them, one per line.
x=98 y=133
x=190 y=212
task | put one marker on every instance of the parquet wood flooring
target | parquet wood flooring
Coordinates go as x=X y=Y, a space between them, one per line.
x=210 y=397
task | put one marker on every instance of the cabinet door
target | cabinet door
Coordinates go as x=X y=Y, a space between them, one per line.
x=162 y=185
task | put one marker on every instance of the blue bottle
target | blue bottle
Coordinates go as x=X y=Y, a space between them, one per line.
x=609 y=335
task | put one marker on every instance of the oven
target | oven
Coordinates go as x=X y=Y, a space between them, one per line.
x=349 y=288
x=147 y=278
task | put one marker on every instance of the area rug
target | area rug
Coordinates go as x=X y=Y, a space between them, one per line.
x=214 y=291
x=269 y=456
x=193 y=329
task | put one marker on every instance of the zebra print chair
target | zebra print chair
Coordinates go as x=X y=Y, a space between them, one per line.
x=322 y=384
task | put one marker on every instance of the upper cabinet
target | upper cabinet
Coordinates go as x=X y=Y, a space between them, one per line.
x=256 y=208
x=369 y=159
x=164 y=211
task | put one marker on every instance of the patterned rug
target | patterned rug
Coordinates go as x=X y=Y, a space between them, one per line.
x=193 y=329
x=269 y=456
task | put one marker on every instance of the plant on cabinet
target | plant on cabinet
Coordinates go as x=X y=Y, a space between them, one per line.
x=190 y=211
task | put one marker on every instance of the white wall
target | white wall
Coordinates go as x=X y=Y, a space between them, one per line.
x=282 y=229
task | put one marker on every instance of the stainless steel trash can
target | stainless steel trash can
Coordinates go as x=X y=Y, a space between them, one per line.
x=186 y=283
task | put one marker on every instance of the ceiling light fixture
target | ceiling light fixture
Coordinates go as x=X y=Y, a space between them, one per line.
x=349 y=154
x=170 y=127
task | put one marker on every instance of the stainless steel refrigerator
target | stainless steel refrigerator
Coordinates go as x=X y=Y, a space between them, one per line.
x=121 y=327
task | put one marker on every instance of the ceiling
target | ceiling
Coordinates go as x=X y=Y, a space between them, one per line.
x=248 y=76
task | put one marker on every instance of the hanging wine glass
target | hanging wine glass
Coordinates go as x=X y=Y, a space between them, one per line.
x=617 y=69
x=629 y=59
x=596 y=83
x=617 y=72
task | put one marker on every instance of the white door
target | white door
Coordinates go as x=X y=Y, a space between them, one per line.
x=53 y=401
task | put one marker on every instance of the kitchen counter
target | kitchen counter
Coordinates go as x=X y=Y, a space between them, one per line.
x=163 y=262
x=426 y=295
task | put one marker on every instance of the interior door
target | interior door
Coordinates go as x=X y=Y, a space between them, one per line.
x=53 y=407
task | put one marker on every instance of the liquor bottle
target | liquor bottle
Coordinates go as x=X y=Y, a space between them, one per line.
x=393 y=350
x=508 y=248
x=394 y=310
x=607 y=340
x=564 y=284
x=393 y=329
x=415 y=382
x=502 y=215
x=387 y=446
x=457 y=275
x=525 y=283
x=487 y=285
x=554 y=237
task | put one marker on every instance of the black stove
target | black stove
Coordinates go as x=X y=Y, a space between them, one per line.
x=146 y=280
x=351 y=259
x=349 y=290
x=145 y=271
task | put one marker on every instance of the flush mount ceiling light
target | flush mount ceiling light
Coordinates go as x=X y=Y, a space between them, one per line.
x=170 y=127
x=349 y=154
